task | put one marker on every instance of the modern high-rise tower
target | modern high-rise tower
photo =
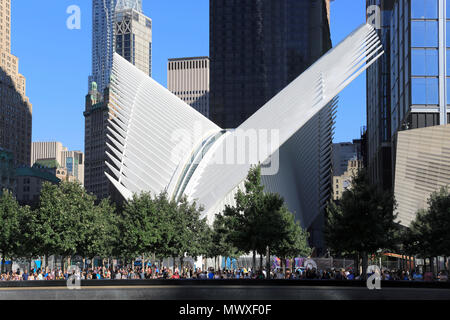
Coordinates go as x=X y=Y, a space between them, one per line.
x=133 y=38
x=15 y=107
x=408 y=87
x=258 y=47
x=408 y=98
x=103 y=37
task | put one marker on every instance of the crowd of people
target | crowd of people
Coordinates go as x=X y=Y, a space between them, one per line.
x=103 y=273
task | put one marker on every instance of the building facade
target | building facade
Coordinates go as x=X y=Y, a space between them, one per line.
x=103 y=37
x=188 y=79
x=15 y=107
x=379 y=150
x=95 y=130
x=408 y=88
x=422 y=167
x=342 y=153
x=72 y=161
x=47 y=150
x=29 y=183
x=7 y=171
x=133 y=38
x=259 y=47
x=408 y=92
x=343 y=182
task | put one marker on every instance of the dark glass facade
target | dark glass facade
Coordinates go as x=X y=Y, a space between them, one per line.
x=257 y=47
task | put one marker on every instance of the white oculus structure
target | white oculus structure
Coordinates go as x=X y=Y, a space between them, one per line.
x=159 y=143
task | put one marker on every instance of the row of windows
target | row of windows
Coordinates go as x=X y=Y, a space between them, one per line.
x=181 y=65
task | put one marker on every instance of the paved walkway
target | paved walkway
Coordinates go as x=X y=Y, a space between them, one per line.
x=198 y=292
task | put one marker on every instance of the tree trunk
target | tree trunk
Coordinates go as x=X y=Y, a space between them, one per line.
x=181 y=265
x=283 y=263
x=432 y=265
x=3 y=263
x=356 y=263
x=268 y=262
x=173 y=267
x=364 y=264
x=445 y=263
x=260 y=262
x=69 y=262
x=254 y=261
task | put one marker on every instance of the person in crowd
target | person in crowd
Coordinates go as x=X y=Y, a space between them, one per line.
x=443 y=277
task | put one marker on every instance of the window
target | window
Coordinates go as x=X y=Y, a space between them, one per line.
x=424 y=34
x=447 y=24
x=425 y=91
x=425 y=62
x=424 y=9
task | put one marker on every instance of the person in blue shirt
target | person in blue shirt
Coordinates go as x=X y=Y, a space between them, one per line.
x=25 y=275
x=210 y=274
x=351 y=276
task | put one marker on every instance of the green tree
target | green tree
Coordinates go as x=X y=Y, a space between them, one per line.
x=219 y=243
x=362 y=222
x=295 y=243
x=428 y=234
x=139 y=227
x=258 y=221
x=9 y=226
x=28 y=237
x=64 y=219
x=99 y=232
x=166 y=213
x=188 y=227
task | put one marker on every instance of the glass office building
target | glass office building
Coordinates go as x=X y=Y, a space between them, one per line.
x=257 y=48
x=414 y=91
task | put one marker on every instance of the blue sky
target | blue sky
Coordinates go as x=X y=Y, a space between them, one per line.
x=57 y=61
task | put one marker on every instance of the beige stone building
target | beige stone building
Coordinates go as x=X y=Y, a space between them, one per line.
x=133 y=38
x=344 y=181
x=15 y=107
x=422 y=167
x=188 y=78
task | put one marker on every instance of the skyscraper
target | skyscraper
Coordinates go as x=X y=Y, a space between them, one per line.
x=407 y=103
x=103 y=37
x=133 y=38
x=257 y=47
x=102 y=41
x=15 y=107
x=118 y=26
x=188 y=78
